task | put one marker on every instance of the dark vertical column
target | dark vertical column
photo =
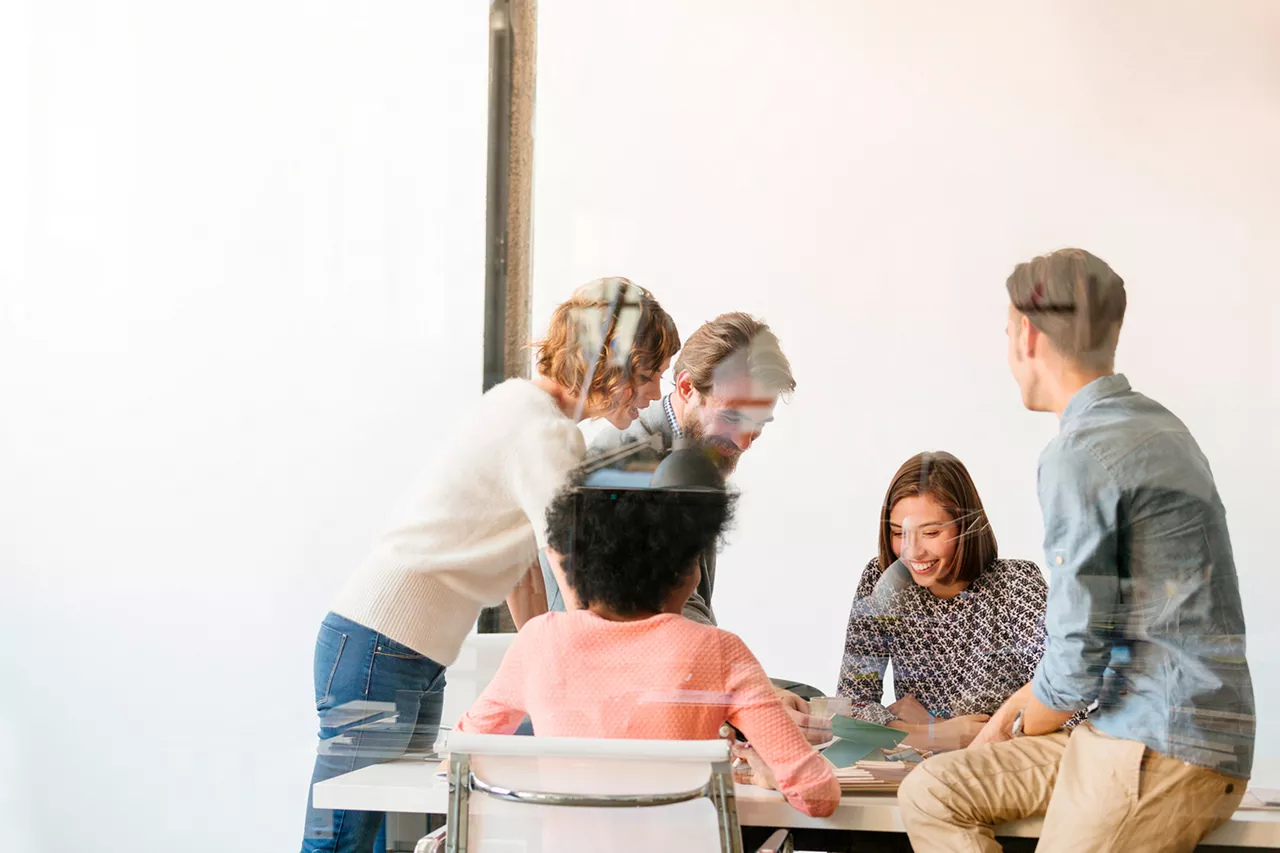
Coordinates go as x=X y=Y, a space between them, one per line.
x=512 y=72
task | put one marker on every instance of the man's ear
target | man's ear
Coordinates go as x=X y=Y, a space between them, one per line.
x=684 y=386
x=1031 y=334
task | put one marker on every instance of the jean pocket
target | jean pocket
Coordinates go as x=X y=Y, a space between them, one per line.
x=330 y=644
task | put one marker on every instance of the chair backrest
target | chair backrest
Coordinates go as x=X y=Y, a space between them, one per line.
x=575 y=795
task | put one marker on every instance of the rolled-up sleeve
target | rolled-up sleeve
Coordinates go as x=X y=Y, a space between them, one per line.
x=1082 y=515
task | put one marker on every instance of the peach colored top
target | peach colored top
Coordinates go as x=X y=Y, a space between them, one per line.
x=578 y=675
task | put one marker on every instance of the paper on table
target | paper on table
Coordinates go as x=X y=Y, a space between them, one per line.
x=856 y=740
x=1261 y=798
x=846 y=753
x=882 y=737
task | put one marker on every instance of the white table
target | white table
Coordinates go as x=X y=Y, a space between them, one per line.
x=410 y=786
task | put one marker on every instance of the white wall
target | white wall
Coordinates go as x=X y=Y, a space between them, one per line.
x=241 y=289
x=238 y=241
x=864 y=176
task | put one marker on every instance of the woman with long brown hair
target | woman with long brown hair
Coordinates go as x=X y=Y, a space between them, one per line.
x=963 y=628
x=470 y=537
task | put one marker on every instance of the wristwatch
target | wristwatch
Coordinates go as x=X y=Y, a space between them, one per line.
x=1016 y=729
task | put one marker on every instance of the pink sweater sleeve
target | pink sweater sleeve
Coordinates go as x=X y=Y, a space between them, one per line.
x=804 y=777
x=501 y=707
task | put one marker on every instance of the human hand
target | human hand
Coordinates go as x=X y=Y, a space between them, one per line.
x=791 y=701
x=958 y=732
x=998 y=728
x=749 y=768
x=909 y=710
x=815 y=729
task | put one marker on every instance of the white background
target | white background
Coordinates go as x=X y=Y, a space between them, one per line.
x=242 y=261
x=241 y=272
x=864 y=176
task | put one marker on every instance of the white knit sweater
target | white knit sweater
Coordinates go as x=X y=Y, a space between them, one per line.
x=473 y=526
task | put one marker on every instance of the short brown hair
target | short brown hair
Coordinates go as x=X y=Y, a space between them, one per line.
x=590 y=326
x=736 y=337
x=1076 y=300
x=944 y=478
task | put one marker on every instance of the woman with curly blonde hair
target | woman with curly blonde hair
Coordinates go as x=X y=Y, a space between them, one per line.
x=470 y=537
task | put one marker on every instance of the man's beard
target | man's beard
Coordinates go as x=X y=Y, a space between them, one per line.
x=725 y=463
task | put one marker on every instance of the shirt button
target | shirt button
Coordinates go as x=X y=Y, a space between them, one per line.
x=1058 y=559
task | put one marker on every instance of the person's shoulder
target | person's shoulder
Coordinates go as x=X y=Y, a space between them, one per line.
x=1015 y=572
x=692 y=629
x=871 y=573
x=692 y=633
x=1070 y=444
x=527 y=415
x=731 y=646
x=538 y=625
x=548 y=631
x=521 y=395
x=1079 y=453
x=1101 y=435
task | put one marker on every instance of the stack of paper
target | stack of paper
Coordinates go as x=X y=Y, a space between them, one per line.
x=868 y=757
x=873 y=776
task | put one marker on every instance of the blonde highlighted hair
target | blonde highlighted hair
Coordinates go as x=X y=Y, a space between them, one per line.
x=735 y=343
x=609 y=336
x=1076 y=300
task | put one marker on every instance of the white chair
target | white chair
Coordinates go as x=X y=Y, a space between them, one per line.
x=574 y=795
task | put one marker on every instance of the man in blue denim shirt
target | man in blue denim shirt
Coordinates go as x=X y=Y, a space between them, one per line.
x=1143 y=591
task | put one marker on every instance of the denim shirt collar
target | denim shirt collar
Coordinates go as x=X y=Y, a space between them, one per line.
x=1098 y=389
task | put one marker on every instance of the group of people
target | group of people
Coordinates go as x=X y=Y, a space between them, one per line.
x=1116 y=700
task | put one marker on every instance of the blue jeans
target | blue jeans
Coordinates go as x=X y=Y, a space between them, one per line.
x=401 y=693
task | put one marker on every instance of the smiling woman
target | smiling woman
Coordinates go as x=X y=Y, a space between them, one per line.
x=963 y=628
x=933 y=521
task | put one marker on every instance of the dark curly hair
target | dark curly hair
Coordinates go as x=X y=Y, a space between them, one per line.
x=630 y=549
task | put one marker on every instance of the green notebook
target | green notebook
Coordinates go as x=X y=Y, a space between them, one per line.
x=846 y=753
x=857 y=739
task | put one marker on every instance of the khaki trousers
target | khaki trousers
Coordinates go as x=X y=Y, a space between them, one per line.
x=1096 y=793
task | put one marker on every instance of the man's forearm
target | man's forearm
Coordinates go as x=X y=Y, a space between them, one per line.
x=1039 y=719
x=1000 y=726
x=1015 y=703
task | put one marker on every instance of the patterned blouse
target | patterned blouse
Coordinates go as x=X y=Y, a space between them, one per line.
x=957 y=656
